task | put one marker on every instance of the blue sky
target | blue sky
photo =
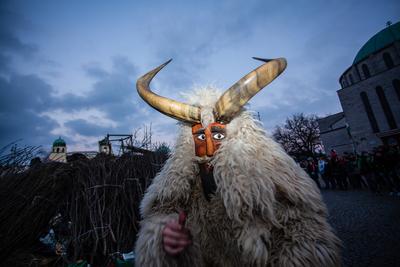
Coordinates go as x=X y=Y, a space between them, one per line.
x=68 y=68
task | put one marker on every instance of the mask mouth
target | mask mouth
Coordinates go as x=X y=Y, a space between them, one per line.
x=202 y=160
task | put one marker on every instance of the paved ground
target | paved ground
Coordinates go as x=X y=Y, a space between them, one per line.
x=368 y=225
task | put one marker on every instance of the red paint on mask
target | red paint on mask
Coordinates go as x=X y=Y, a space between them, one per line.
x=208 y=140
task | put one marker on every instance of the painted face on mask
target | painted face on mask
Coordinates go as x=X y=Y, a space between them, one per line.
x=208 y=140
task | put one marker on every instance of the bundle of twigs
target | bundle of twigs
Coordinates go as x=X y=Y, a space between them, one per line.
x=28 y=202
x=97 y=201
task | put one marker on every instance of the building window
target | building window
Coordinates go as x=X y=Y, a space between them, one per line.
x=344 y=81
x=58 y=149
x=370 y=113
x=365 y=70
x=388 y=60
x=386 y=108
x=396 y=86
x=351 y=79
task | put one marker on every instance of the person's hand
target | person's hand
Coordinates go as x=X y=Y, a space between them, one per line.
x=175 y=236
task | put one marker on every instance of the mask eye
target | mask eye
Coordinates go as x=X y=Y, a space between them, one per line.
x=201 y=137
x=218 y=136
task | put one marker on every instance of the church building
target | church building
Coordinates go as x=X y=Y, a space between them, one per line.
x=59 y=151
x=369 y=96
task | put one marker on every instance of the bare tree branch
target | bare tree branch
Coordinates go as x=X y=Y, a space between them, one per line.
x=298 y=135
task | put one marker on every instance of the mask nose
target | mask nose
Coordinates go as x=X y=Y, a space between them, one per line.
x=210 y=146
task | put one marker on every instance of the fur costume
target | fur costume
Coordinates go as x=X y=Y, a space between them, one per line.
x=266 y=211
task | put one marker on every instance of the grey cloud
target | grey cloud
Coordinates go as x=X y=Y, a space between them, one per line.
x=5 y=61
x=25 y=125
x=86 y=128
x=194 y=35
x=11 y=43
x=11 y=20
x=25 y=92
x=113 y=91
x=22 y=99
x=93 y=70
x=123 y=66
x=10 y=23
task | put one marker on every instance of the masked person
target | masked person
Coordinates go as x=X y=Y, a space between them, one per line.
x=229 y=195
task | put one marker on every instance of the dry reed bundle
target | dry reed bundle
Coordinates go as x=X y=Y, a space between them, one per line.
x=92 y=205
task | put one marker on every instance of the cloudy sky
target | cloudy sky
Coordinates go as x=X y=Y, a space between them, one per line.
x=68 y=68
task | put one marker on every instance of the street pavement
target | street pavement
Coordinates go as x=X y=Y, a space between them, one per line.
x=368 y=225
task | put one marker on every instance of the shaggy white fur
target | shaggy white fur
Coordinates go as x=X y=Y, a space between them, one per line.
x=266 y=210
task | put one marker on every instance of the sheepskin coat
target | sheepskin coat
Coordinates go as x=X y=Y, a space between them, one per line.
x=266 y=210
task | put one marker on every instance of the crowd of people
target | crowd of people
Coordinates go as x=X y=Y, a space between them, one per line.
x=378 y=171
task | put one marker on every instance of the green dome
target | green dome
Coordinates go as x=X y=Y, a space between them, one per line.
x=380 y=40
x=59 y=142
x=104 y=142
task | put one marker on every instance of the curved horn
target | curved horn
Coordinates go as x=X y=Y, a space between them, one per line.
x=169 y=107
x=240 y=93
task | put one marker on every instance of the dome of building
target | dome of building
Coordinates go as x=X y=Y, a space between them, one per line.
x=104 y=142
x=379 y=41
x=59 y=142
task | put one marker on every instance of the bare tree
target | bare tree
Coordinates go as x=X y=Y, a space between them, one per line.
x=142 y=137
x=298 y=135
x=14 y=158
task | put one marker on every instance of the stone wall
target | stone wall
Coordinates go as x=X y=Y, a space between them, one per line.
x=352 y=103
x=337 y=139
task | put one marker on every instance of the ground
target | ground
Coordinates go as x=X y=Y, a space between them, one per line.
x=368 y=225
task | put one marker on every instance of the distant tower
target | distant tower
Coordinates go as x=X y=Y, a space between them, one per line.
x=105 y=146
x=59 y=151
